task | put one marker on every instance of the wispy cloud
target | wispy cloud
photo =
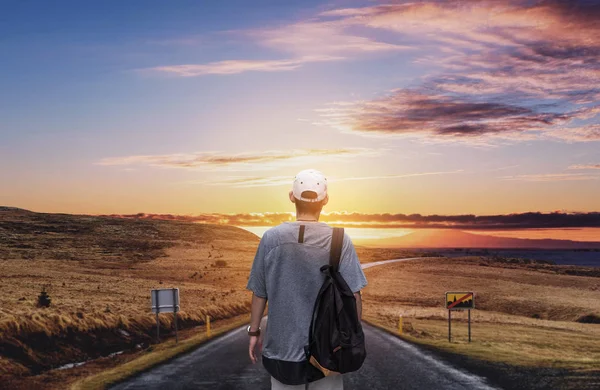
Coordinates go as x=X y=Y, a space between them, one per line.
x=501 y=168
x=575 y=134
x=530 y=220
x=504 y=71
x=269 y=159
x=239 y=66
x=585 y=166
x=304 y=42
x=552 y=177
x=400 y=176
x=513 y=70
x=414 y=112
x=267 y=181
x=320 y=37
x=244 y=181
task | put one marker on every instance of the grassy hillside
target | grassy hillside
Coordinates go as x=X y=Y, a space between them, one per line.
x=98 y=272
x=529 y=327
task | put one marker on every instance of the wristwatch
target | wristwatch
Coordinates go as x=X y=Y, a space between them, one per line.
x=255 y=333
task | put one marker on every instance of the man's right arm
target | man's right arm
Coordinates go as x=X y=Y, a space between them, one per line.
x=257 y=279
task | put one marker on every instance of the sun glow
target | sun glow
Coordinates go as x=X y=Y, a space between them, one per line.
x=356 y=233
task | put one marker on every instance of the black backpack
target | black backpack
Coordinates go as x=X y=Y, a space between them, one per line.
x=336 y=342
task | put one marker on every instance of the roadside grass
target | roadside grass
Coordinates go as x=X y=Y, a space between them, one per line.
x=159 y=354
x=512 y=344
x=96 y=311
x=98 y=272
x=524 y=328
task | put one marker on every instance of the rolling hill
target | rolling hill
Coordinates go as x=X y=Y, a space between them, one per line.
x=449 y=238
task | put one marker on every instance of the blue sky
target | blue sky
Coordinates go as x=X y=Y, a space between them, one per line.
x=190 y=107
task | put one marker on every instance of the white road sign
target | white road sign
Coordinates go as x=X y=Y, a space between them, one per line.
x=166 y=299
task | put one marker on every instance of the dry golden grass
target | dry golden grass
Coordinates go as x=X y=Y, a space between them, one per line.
x=99 y=272
x=102 y=372
x=522 y=291
x=505 y=330
x=101 y=300
x=81 y=305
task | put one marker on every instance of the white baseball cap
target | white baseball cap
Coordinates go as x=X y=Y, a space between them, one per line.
x=310 y=185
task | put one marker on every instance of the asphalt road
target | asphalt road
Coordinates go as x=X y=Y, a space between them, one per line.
x=223 y=364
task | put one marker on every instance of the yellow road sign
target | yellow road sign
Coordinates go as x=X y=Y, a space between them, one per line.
x=460 y=300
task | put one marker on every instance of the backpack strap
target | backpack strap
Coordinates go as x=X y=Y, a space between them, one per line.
x=335 y=253
x=301 y=234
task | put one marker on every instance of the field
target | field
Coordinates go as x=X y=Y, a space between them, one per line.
x=98 y=273
x=529 y=327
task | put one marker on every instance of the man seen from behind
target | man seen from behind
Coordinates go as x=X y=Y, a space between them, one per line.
x=286 y=274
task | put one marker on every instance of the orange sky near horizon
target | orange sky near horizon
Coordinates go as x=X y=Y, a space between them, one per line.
x=364 y=235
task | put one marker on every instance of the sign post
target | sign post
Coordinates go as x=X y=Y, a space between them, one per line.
x=449 y=326
x=459 y=301
x=157 y=320
x=165 y=300
x=176 y=299
x=208 y=326
x=469 y=325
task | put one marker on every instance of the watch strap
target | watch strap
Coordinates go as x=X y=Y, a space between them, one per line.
x=253 y=333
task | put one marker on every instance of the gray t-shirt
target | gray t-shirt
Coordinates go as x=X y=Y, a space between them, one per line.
x=288 y=274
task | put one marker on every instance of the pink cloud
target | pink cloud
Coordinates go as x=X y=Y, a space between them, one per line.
x=545 y=177
x=415 y=113
x=585 y=166
x=268 y=159
x=575 y=134
x=244 y=181
x=316 y=38
x=239 y=66
x=511 y=71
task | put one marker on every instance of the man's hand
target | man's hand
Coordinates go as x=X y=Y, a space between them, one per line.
x=258 y=309
x=358 y=297
x=254 y=340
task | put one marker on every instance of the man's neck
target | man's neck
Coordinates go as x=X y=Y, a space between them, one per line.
x=306 y=218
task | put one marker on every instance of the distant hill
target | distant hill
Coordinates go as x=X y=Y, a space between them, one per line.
x=29 y=235
x=449 y=238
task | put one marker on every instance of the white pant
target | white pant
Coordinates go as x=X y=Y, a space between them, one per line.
x=334 y=382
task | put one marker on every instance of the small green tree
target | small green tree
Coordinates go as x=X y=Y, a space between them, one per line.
x=44 y=299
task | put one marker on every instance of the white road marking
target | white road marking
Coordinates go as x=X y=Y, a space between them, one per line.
x=383 y=262
x=471 y=380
